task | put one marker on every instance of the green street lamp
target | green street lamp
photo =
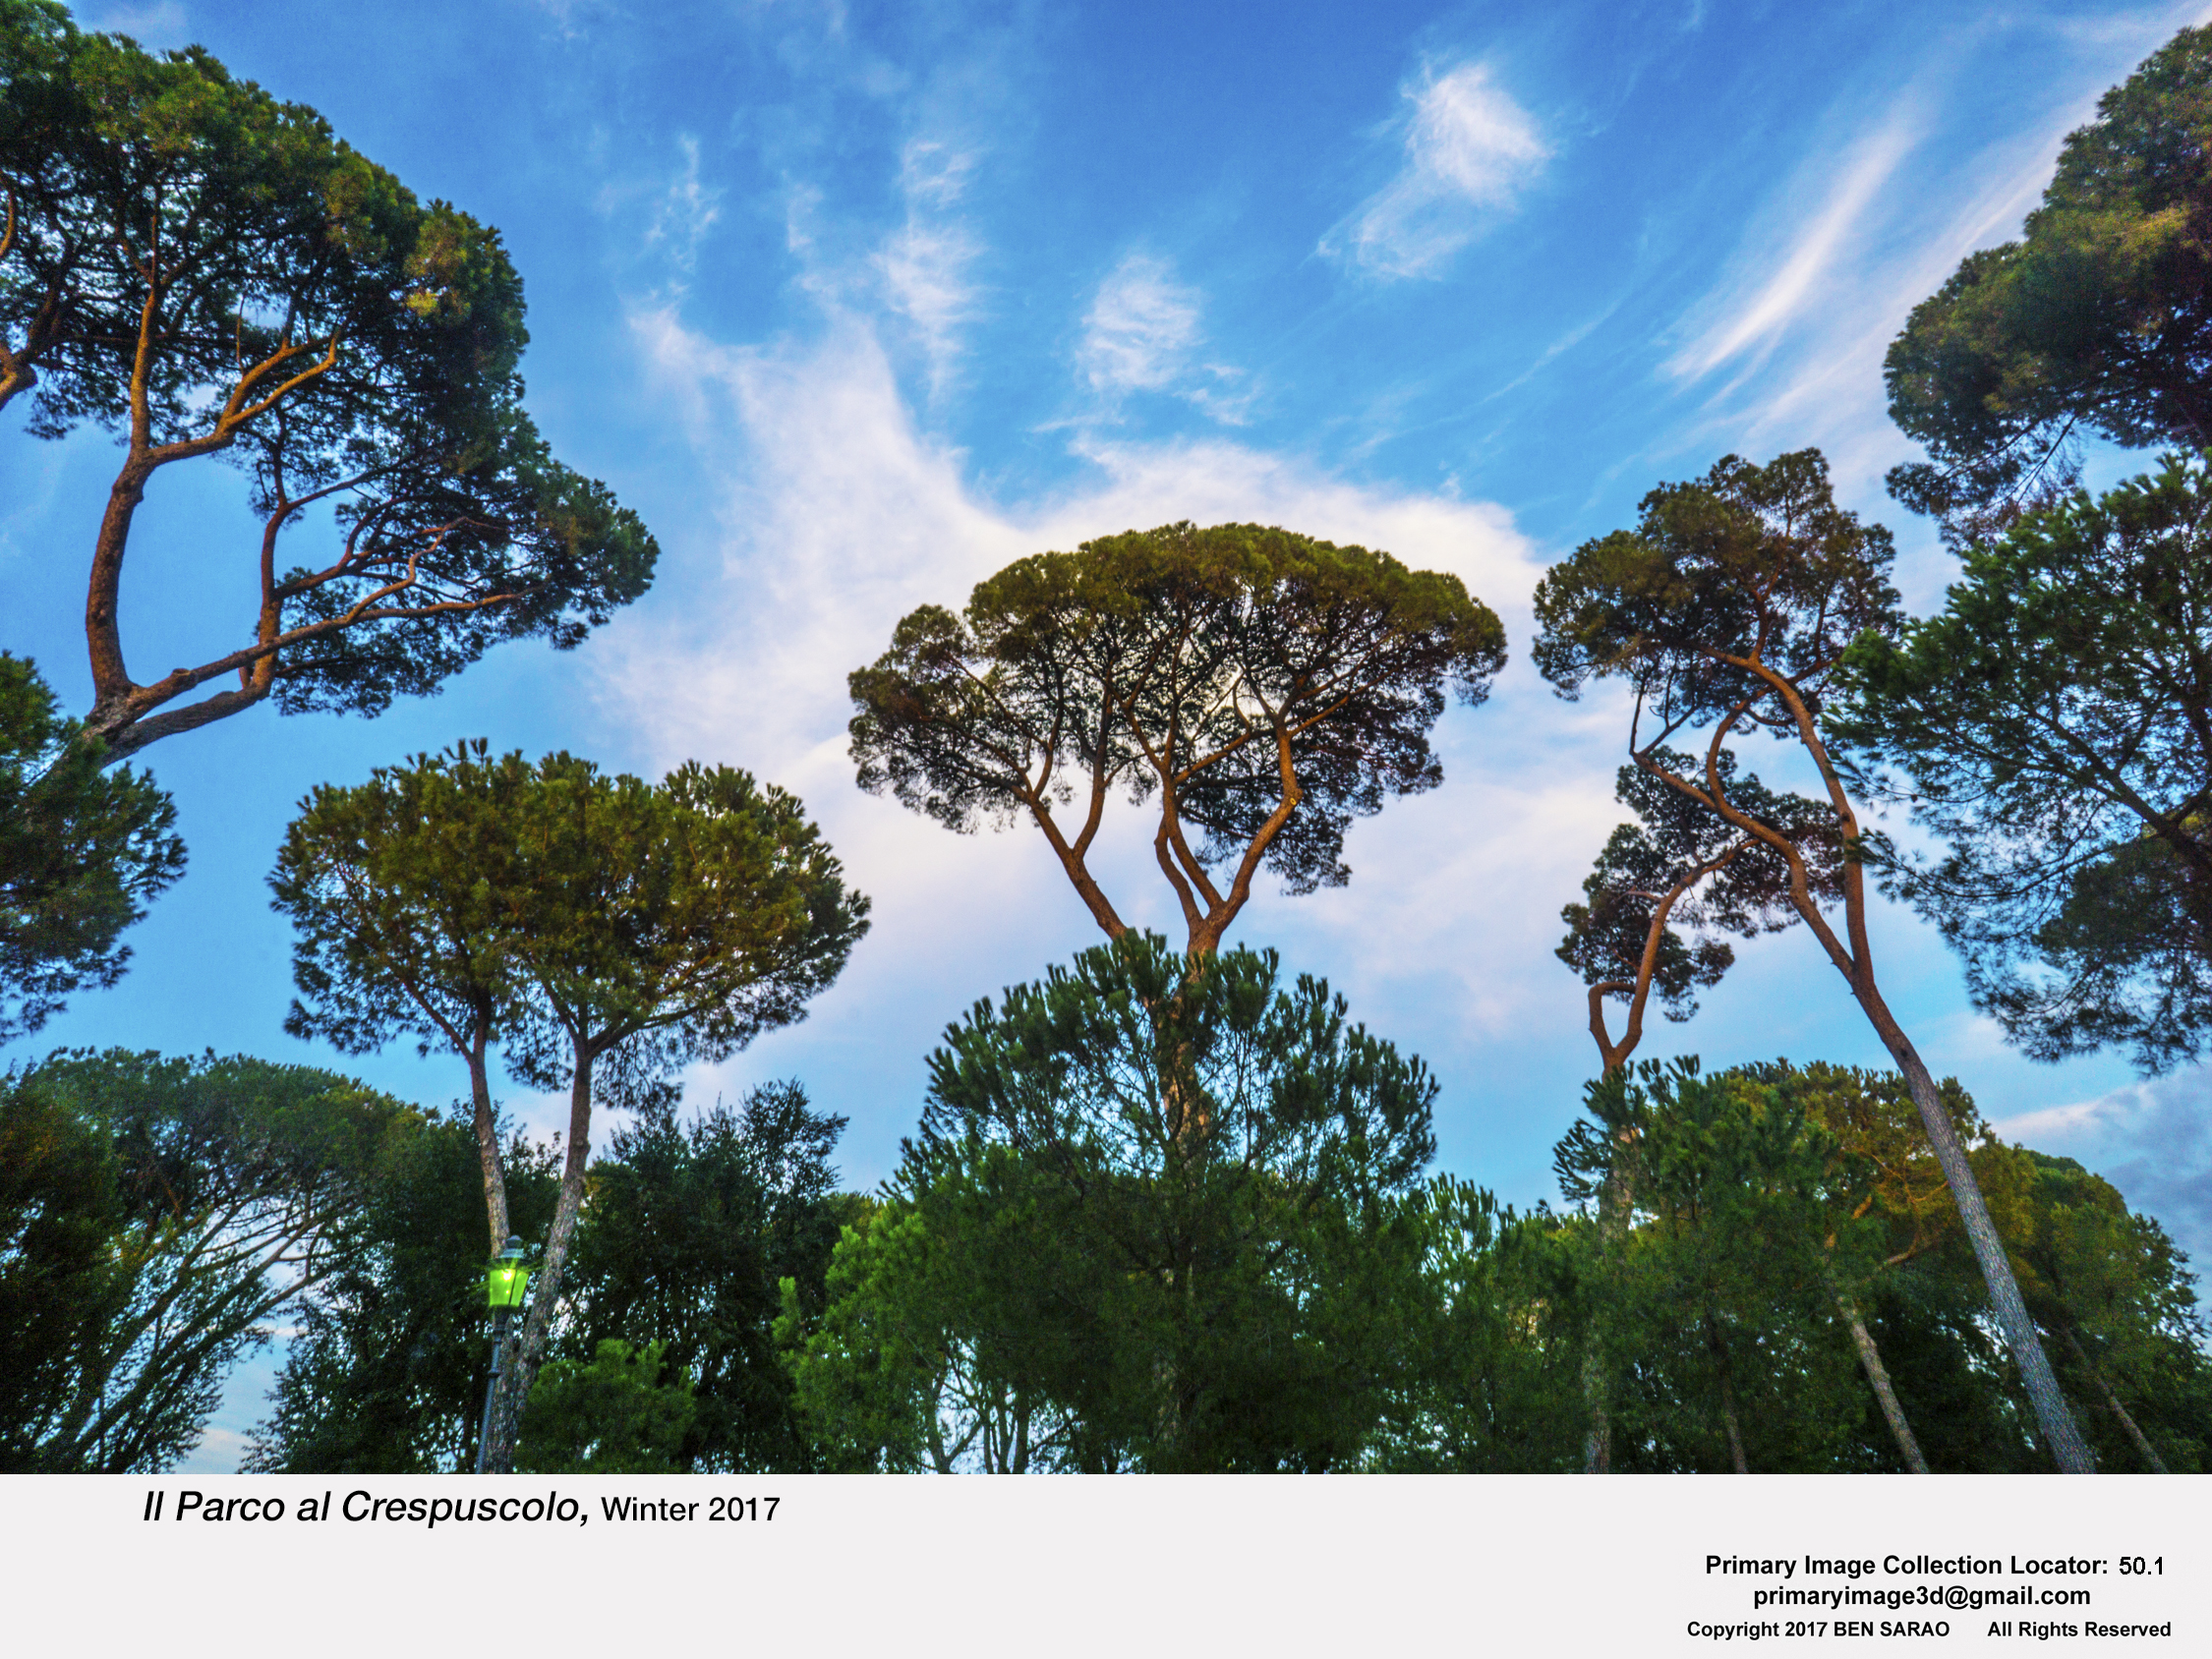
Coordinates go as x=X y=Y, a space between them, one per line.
x=506 y=1281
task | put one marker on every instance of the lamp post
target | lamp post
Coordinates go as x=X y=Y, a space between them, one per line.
x=505 y=1284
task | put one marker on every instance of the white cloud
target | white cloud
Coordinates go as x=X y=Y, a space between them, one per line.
x=2152 y=1140
x=842 y=515
x=925 y=281
x=1470 y=151
x=924 y=265
x=934 y=174
x=1142 y=334
x=1771 y=296
x=159 y=26
x=1140 y=329
x=1786 y=348
x=686 y=212
x=847 y=516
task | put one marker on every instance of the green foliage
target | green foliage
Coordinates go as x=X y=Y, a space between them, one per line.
x=1749 y=566
x=465 y=896
x=206 y=270
x=1681 y=867
x=1153 y=1220
x=601 y=921
x=1772 y=1200
x=689 y=1233
x=1720 y=1318
x=2118 y=1292
x=1731 y=607
x=60 y=1208
x=615 y=1415
x=705 y=910
x=2099 y=319
x=687 y=1229
x=155 y=1213
x=1210 y=667
x=1490 y=1343
x=390 y=886
x=81 y=851
x=39 y=113
x=2055 y=726
x=910 y=1367
x=386 y=1370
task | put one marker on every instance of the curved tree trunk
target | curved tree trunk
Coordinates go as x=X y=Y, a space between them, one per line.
x=1855 y=962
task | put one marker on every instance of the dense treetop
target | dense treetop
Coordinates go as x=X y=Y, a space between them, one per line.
x=2054 y=724
x=2098 y=321
x=1264 y=687
x=203 y=269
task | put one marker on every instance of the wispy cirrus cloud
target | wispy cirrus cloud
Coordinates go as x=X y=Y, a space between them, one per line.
x=842 y=512
x=160 y=24
x=665 y=216
x=1140 y=329
x=1470 y=151
x=1785 y=347
x=1143 y=333
x=924 y=265
x=685 y=210
x=1767 y=297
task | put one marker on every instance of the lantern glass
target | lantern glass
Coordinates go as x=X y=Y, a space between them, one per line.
x=507 y=1282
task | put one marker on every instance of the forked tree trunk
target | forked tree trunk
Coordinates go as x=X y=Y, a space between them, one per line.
x=525 y=1352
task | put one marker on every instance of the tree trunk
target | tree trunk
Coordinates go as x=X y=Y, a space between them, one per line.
x=103 y=638
x=1597 y=1444
x=1614 y=1202
x=1877 y=1374
x=2060 y=1436
x=487 y=1138
x=2112 y=1402
x=1719 y=1351
x=526 y=1353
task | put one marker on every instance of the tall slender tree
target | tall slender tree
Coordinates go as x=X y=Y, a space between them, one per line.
x=1729 y=607
x=394 y=888
x=653 y=925
x=1677 y=866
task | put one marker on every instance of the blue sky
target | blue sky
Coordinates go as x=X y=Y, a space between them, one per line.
x=855 y=304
